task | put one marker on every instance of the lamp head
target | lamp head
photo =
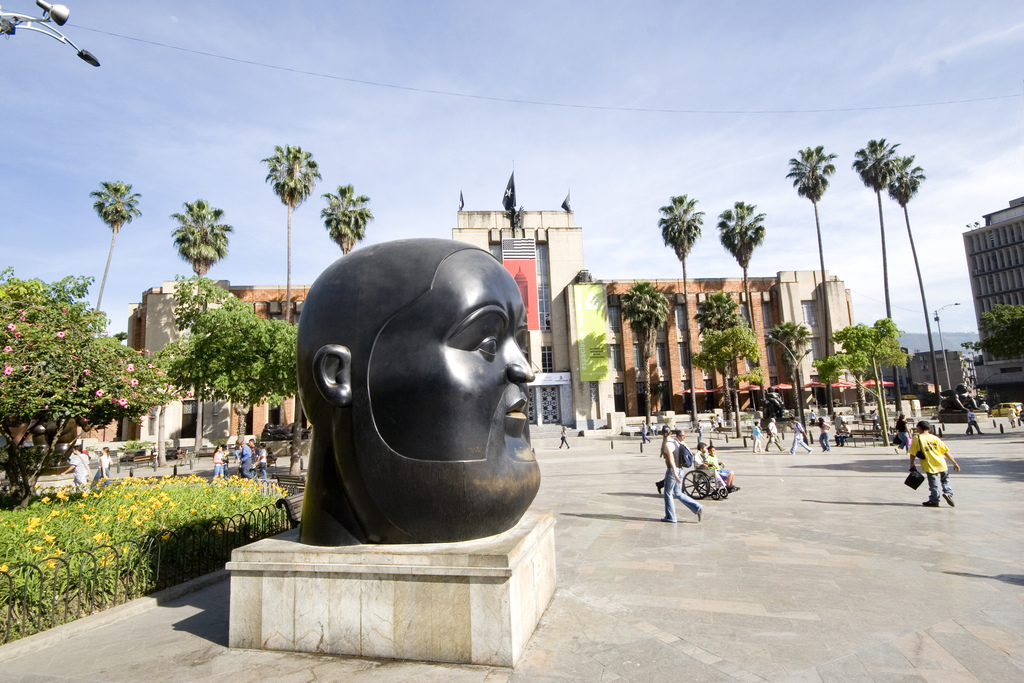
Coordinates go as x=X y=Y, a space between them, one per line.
x=58 y=13
x=88 y=57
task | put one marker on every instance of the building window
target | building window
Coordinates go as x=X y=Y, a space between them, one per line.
x=681 y=318
x=615 y=354
x=662 y=354
x=637 y=361
x=815 y=349
x=543 y=287
x=810 y=313
x=683 y=357
x=547 y=360
x=188 y=419
x=766 y=315
x=614 y=319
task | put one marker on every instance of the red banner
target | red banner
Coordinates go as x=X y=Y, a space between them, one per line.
x=520 y=259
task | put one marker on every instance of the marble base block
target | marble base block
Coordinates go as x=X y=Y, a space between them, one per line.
x=475 y=602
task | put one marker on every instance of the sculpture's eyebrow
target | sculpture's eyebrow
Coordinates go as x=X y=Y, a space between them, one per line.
x=490 y=309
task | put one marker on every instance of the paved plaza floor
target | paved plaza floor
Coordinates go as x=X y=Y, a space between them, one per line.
x=824 y=567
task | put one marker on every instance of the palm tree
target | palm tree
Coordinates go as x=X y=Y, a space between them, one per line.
x=116 y=206
x=794 y=338
x=718 y=312
x=200 y=238
x=680 y=225
x=346 y=217
x=906 y=181
x=646 y=309
x=293 y=175
x=874 y=163
x=741 y=231
x=810 y=174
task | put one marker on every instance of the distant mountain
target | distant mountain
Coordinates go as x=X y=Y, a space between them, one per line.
x=918 y=341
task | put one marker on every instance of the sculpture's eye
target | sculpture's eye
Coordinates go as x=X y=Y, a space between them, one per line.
x=523 y=340
x=480 y=332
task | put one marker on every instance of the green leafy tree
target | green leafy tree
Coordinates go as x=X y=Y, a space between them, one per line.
x=346 y=217
x=1002 y=332
x=794 y=338
x=867 y=350
x=646 y=309
x=201 y=239
x=680 y=225
x=875 y=164
x=810 y=174
x=58 y=372
x=719 y=311
x=741 y=231
x=116 y=206
x=904 y=185
x=721 y=350
x=229 y=353
x=292 y=173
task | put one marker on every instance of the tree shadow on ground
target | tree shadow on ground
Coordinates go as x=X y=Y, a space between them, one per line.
x=1016 y=579
x=1010 y=469
x=609 y=518
x=860 y=502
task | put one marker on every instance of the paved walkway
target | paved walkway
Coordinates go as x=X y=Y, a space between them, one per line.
x=823 y=568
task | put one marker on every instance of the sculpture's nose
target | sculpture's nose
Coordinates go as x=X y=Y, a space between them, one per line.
x=519 y=374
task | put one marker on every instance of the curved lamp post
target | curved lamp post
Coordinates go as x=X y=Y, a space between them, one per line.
x=945 y=362
x=796 y=369
x=58 y=14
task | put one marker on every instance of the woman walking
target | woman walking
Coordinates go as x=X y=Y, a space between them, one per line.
x=218 y=462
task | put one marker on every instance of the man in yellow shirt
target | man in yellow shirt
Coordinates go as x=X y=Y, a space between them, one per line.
x=933 y=454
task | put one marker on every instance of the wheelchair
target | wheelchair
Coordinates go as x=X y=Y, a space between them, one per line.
x=702 y=482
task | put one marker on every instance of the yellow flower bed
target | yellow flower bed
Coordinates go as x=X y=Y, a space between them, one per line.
x=63 y=521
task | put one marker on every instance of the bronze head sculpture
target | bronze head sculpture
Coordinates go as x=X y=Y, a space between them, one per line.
x=412 y=371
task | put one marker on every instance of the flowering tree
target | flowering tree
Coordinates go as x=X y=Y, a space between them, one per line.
x=59 y=373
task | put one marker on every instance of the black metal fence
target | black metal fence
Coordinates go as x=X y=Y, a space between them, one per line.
x=57 y=590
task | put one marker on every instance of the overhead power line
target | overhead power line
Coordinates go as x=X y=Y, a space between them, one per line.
x=542 y=103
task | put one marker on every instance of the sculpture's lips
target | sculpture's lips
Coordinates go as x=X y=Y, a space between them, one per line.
x=515 y=418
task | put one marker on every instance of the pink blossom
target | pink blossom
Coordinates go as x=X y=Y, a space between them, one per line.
x=150 y=365
x=99 y=392
x=134 y=382
x=12 y=327
x=60 y=334
x=7 y=349
x=87 y=371
x=123 y=402
x=17 y=335
x=131 y=367
x=8 y=369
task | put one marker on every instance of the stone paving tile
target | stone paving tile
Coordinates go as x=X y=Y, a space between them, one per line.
x=823 y=568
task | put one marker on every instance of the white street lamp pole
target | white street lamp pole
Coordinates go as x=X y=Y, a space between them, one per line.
x=945 y=362
x=58 y=14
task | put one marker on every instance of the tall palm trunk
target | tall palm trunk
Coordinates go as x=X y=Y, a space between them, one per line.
x=288 y=278
x=826 y=327
x=110 y=255
x=924 y=303
x=888 y=309
x=689 y=351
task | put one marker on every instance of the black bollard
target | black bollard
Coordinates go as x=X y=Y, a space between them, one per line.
x=744 y=442
x=131 y=471
x=1001 y=429
x=641 y=446
x=175 y=470
x=613 y=444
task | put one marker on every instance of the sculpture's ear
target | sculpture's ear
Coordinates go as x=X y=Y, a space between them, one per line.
x=332 y=371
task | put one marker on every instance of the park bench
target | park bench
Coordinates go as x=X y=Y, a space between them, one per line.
x=295 y=485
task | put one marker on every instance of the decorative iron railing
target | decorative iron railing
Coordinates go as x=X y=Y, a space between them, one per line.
x=57 y=590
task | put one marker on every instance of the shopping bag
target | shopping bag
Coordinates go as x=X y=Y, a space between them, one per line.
x=914 y=479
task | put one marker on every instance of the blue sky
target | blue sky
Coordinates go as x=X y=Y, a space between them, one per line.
x=181 y=126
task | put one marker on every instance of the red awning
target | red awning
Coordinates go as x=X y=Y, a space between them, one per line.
x=701 y=391
x=810 y=385
x=843 y=384
x=783 y=386
x=871 y=383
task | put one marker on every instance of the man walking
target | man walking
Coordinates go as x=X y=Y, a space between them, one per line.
x=799 y=434
x=933 y=454
x=972 y=422
x=643 y=433
x=773 y=436
x=673 y=481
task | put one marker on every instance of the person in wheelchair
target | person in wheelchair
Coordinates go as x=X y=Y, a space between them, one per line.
x=723 y=476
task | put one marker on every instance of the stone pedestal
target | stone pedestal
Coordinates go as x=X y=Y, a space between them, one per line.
x=474 y=602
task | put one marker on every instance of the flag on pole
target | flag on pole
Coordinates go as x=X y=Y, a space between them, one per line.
x=509 y=200
x=566 y=205
x=462 y=202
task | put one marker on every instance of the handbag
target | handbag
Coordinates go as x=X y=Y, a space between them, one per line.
x=914 y=479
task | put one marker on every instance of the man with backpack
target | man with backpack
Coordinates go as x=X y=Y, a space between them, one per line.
x=674 y=451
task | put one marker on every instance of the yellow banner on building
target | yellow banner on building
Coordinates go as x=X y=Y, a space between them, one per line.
x=591 y=335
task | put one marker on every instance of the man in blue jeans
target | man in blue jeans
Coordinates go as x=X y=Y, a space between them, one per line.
x=799 y=434
x=673 y=481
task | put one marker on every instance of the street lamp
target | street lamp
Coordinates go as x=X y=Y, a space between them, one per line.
x=945 y=362
x=796 y=368
x=58 y=14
